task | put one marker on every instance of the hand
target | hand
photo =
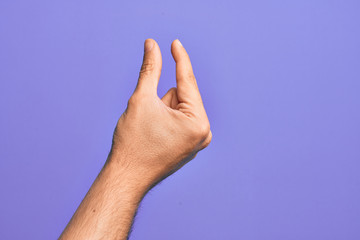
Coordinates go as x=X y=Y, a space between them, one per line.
x=161 y=135
x=153 y=138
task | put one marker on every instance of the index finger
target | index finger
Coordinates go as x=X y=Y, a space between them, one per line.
x=187 y=88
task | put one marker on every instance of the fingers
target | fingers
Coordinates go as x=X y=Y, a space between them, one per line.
x=151 y=68
x=187 y=89
x=170 y=98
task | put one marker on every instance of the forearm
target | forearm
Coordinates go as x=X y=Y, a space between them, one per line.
x=108 y=208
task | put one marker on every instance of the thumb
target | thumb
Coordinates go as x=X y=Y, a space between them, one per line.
x=151 y=67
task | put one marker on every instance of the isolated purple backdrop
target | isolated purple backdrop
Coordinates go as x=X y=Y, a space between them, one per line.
x=280 y=81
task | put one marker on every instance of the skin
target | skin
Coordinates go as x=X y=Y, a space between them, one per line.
x=153 y=138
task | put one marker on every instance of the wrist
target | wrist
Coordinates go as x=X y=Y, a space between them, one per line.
x=138 y=178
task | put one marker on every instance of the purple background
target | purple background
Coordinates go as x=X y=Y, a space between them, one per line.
x=281 y=84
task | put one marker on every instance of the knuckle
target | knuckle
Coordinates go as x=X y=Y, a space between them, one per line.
x=190 y=76
x=147 y=66
x=204 y=130
x=201 y=131
x=133 y=100
x=208 y=140
x=173 y=89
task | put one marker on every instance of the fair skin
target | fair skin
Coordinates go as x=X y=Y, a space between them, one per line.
x=153 y=138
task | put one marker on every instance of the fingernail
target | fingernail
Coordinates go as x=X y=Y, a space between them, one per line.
x=179 y=42
x=148 y=45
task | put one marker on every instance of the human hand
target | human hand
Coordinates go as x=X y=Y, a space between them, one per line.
x=153 y=138
x=158 y=136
